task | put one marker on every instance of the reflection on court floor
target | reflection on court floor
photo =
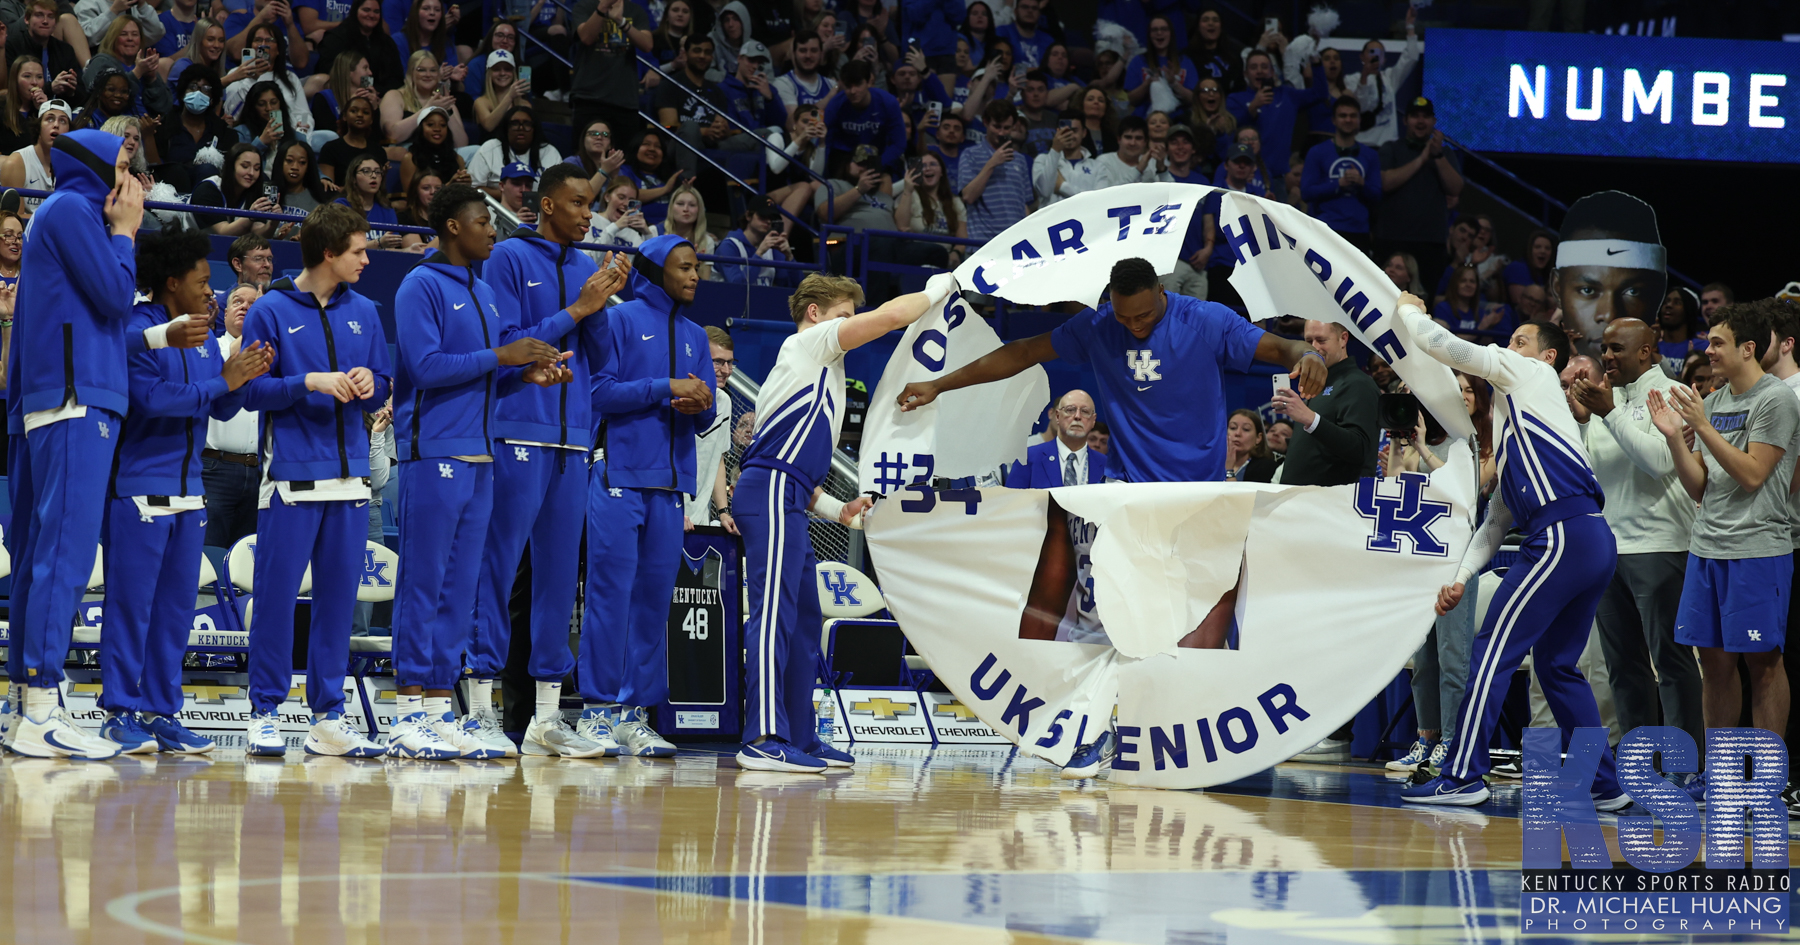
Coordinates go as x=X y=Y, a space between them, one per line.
x=958 y=845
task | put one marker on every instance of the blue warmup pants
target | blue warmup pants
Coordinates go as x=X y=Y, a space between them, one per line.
x=329 y=536
x=443 y=522
x=71 y=461
x=634 y=547
x=152 y=580
x=1545 y=606
x=18 y=534
x=781 y=639
x=538 y=496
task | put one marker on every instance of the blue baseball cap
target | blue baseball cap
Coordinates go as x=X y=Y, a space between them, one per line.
x=516 y=170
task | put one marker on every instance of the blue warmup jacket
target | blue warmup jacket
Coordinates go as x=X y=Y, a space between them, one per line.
x=533 y=281
x=449 y=377
x=313 y=436
x=645 y=442
x=76 y=284
x=174 y=391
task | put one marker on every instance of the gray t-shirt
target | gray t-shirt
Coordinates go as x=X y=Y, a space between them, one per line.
x=873 y=212
x=1793 y=384
x=1734 y=523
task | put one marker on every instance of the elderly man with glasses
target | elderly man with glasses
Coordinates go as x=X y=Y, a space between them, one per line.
x=1066 y=460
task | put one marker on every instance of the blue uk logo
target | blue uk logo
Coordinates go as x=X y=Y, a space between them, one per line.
x=1406 y=515
x=843 y=590
x=375 y=570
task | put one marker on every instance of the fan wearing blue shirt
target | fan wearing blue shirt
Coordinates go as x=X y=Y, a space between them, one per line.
x=1342 y=179
x=1272 y=109
x=1030 y=41
x=860 y=114
x=1159 y=362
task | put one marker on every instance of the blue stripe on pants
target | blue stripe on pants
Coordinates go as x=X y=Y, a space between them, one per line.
x=634 y=547
x=152 y=578
x=1545 y=606
x=18 y=534
x=781 y=639
x=443 y=522
x=70 y=463
x=329 y=536
x=540 y=498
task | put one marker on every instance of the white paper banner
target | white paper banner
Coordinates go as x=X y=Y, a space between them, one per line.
x=1335 y=593
x=966 y=432
x=1066 y=251
x=1289 y=264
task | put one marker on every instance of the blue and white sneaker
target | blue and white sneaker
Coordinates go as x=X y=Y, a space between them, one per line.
x=831 y=756
x=1448 y=791
x=263 y=737
x=1418 y=755
x=464 y=735
x=172 y=736
x=1616 y=800
x=599 y=724
x=1696 y=788
x=1091 y=759
x=773 y=754
x=126 y=731
x=57 y=736
x=9 y=713
x=414 y=737
x=636 y=737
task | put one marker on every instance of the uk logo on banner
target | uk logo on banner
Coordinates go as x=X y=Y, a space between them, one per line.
x=1407 y=515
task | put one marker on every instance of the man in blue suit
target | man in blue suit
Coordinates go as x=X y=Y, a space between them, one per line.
x=1065 y=460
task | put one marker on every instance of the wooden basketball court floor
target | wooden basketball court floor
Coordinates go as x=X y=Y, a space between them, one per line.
x=914 y=846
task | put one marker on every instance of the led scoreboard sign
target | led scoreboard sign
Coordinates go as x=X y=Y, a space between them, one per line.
x=1617 y=96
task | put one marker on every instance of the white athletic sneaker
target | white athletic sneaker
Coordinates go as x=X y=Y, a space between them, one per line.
x=9 y=716
x=636 y=737
x=262 y=736
x=553 y=736
x=492 y=735
x=597 y=725
x=56 y=736
x=332 y=735
x=413 y=737
x=464 y=735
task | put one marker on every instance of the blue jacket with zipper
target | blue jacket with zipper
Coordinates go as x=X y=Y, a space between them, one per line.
x=533 y=281
x=76 y=283
x=644 y=442
x=308 y=435
x=449 y=378
x=174 y=391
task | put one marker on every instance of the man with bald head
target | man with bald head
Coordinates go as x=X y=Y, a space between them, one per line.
x=1580 y=368
x=1650 y=515
x=1065 y=460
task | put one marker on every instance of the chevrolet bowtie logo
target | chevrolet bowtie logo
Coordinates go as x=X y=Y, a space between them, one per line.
x=884 y=709
x=212 y=694
x=954 y=709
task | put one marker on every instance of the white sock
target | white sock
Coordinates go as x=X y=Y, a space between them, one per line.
x=15 y=694
x=408 y=705
x=481 y=695
x=40 y=701
x=549 y=699
x=436 y=707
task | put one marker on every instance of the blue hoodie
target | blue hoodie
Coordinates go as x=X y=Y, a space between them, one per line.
x=76 y=284
x=449 y=376
x=174 y=391
x=534 y=280
x=645 y=443
x=928 y=21
x=312 y=435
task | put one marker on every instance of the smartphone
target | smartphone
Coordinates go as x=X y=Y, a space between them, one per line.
x=368 y=82
x=1067 y=123
x=262 y=54
x=1281 y=382
x=275 y=118
x=868 y=42
x=841 y=27
x=935 y=109
x=1271 y=25
x=633 y=206
x=525 y=74
x=913 y=165
x=1018 y=72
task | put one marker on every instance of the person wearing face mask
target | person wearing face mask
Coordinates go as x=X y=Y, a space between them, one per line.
x=197 y=125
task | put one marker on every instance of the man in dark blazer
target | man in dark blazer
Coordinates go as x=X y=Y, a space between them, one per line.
x=1066 y=459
